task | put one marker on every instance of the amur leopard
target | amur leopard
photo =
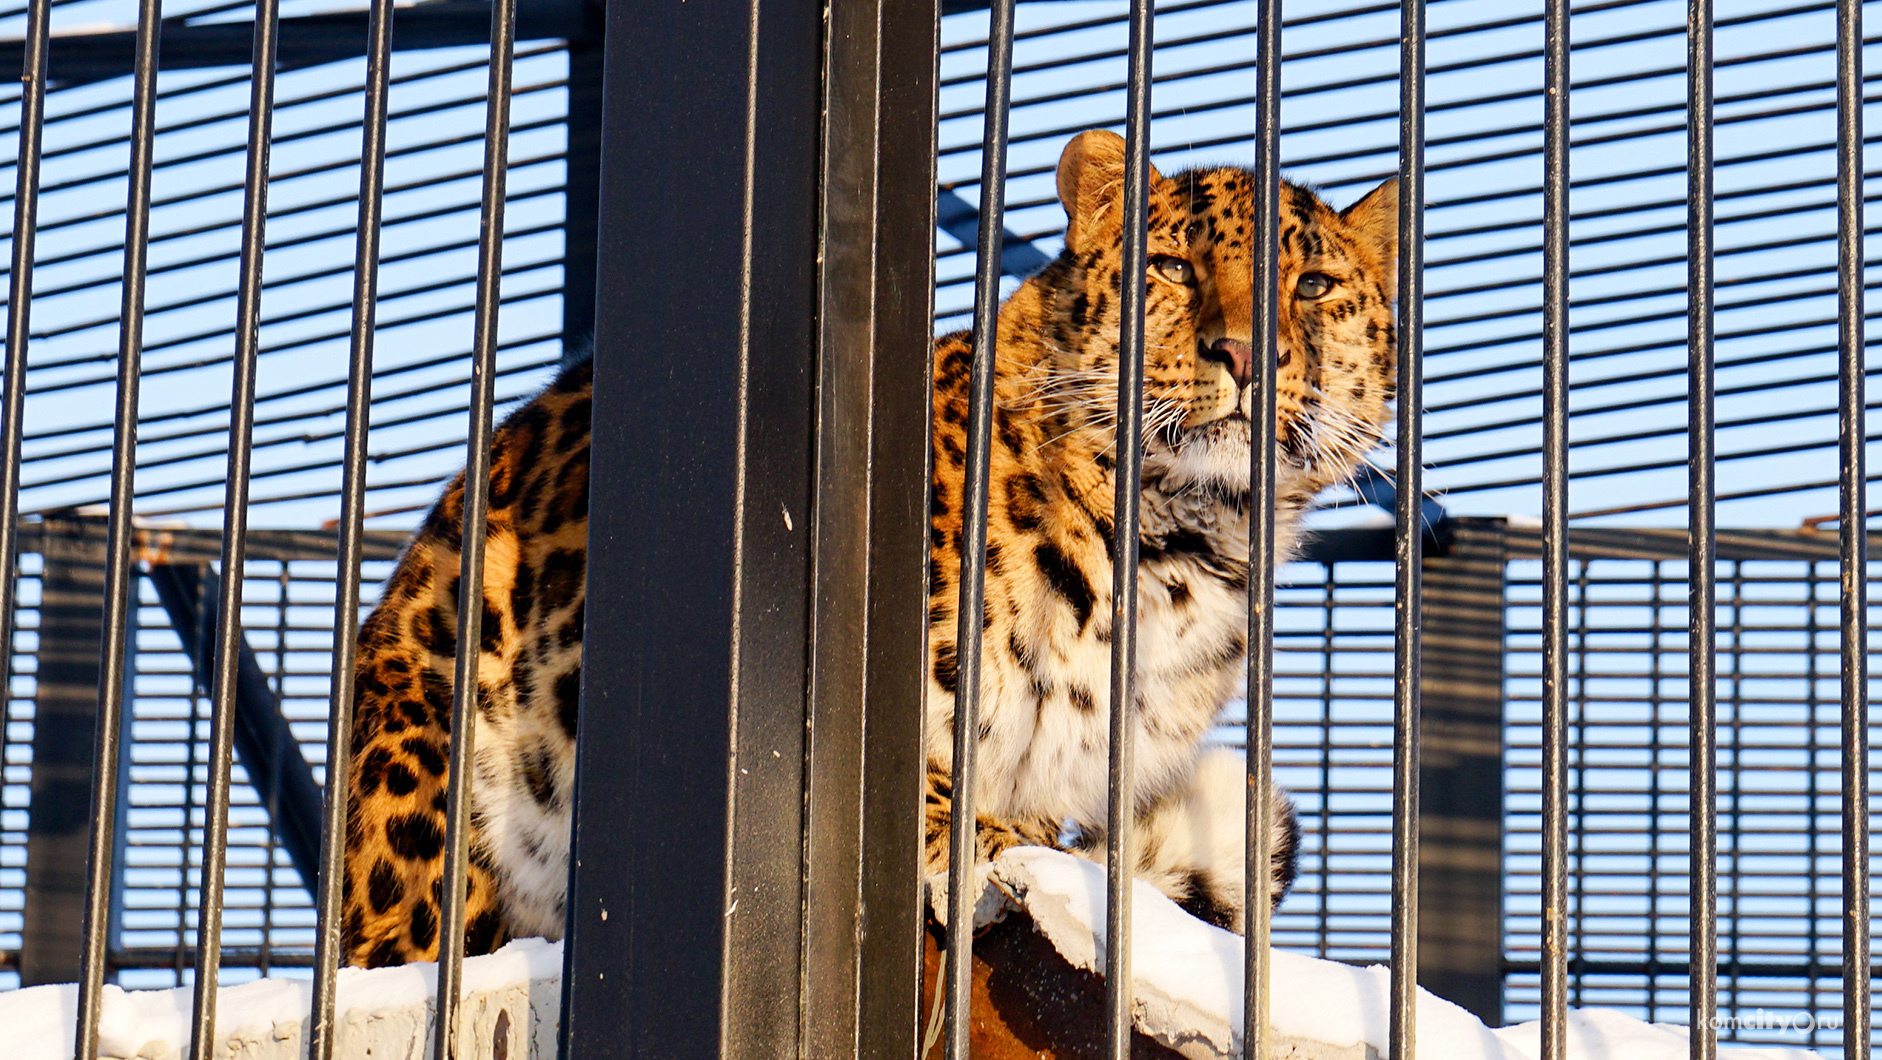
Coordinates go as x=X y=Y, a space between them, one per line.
x=1042 y=750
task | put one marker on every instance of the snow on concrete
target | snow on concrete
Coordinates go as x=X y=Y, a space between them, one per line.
x=1188 y=983
x=514 y=994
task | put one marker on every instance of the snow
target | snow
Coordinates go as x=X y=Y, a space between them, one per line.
x=1188 y=983
x=376 y=1004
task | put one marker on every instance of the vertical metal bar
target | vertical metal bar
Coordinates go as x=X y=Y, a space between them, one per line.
x=1259 y=739
x=1852 y=535
x=1120 y=857
x=1408 y=540
x=973 y=575
x=328 y=941
x=234 y=531
x=1555 y=220
x=120 y=581
x=686 y=875
x=19 y=314
x=1702 y=571
x=470 y=610
x=861 y=980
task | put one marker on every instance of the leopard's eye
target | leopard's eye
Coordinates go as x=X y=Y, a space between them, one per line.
x=1173 y=269
x=1313 y=285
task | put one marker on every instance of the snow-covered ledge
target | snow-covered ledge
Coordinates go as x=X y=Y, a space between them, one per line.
x=512 y=1002
x=1188 y=983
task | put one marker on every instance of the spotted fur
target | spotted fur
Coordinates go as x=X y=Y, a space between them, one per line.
x=529 y=679
x=1042 y=721
x=1042 y=726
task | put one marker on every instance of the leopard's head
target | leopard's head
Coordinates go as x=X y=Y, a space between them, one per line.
x=1335 y=360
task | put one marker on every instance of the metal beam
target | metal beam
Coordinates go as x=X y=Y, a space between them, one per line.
x=1460 y=853
x=270 y=754
x=868 y=616
x=65 y=721
x=104 y=53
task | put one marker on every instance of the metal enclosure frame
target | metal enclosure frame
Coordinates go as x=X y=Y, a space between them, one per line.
x=746 y=864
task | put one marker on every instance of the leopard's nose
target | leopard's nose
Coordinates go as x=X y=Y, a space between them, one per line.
x=1235 y=356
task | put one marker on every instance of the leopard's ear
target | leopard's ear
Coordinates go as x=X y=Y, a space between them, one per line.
x=1374 y=219
x=1091 y=188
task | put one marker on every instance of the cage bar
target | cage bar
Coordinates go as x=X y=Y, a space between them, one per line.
x=690 y=809
x=864 y=922
x=329 y=942
x=120 y=580
x=1257 y=874
x=228 y=632
x=1408 y=538
x=1127 y=519
x=1555 y=396
x=958 y=967
x=1852 y=523
x=476 y=515
x=19 y=316
x=1702 y=570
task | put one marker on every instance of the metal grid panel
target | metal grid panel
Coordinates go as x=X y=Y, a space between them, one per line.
x=1333 y=754
x=1779 y=755
x=288 y=609
x=269 y=916
x=1470 y=333
x=419 y=402
x=16 y=738
x=1776 y=224
x=435 y=137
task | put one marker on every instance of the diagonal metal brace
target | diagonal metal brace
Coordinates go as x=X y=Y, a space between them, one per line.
x=267 y=747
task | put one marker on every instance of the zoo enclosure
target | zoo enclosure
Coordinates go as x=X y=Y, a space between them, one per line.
x=869 y=209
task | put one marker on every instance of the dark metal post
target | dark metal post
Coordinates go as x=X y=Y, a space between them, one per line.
x=1460 y=852
x=863 y=913
x=65 y=723
x=686 y=898
x=582 y=200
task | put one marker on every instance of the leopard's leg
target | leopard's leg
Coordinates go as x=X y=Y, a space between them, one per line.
x=1192 y=844
x=993 y=835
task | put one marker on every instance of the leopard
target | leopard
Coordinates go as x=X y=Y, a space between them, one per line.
x=1042 y=736
x=1042 y=745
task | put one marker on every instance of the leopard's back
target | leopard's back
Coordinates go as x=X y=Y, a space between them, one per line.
x=529 y=680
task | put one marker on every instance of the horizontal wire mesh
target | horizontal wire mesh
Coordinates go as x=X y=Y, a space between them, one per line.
x=420 y=395
x=434 y=148
x=1776 y=216
x=1778 y=767
x=1333 y=658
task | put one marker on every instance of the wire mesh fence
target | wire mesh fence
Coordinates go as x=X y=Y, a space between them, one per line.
x=1779 y=741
